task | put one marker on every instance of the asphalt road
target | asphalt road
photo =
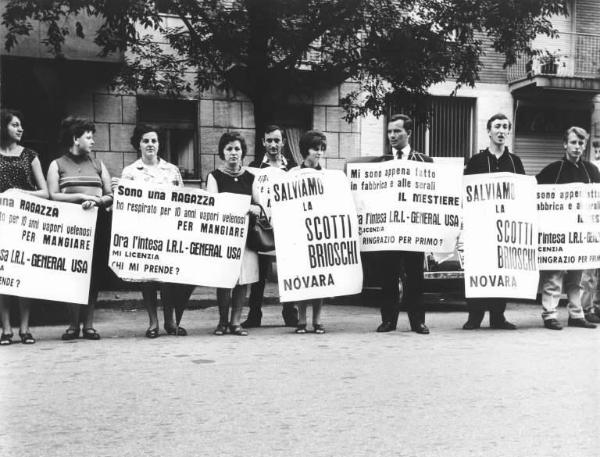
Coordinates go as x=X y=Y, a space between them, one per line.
x=350 y=392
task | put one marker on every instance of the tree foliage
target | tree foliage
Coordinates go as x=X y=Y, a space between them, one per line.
x=272 y=49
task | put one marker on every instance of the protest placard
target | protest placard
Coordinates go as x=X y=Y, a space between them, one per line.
x=185 y=236
x=569 y=226
x=316 y=235
x=407 y=205
x=46 y=248
x=261 y=189
x=500 y=236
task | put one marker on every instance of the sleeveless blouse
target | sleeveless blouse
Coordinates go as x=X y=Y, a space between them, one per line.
x=16 y=172
x=79 y=174
x=241 y=184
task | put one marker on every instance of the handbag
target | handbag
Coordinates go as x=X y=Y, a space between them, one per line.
x=260 y=233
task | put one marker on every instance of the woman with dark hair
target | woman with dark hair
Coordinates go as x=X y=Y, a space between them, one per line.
x=313 y=145
x=234 y=178
x=20 y=168
x=152 y=169
x=77 y=178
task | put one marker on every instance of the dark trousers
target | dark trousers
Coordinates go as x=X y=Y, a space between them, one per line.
x=257 y=290
x=478 y=306
x=393 y=264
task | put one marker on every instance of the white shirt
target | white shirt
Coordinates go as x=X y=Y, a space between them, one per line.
x=405 y=152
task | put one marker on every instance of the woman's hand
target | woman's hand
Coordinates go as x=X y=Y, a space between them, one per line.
x=255 y=210
x=90 y=202
x=114 y=182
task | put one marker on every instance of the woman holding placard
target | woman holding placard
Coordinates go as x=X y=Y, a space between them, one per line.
x=151 y=168
x=20 y=168
x=313 y=145
x=234 y=178
x=78 y=178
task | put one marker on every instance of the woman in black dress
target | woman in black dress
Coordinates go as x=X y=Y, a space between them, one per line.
x=234 y=178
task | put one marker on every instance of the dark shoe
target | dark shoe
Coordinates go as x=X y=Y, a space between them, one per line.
x=6 y=339
x=593 y=318
x=290 y=315
x=552 y=324
x=581 y=323
x=319 y=330
x=237 y=330
x=179 y=331
x=470 y=325
x=253 y=319
x=27 y=338
x=91 y=334
x=421 y=329
x=504 y=325
x=386 y=327
x=220 y=330
x=70 y=334
x=152 y=333
x=301 y=329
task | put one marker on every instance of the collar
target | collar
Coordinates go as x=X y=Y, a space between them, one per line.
x=576 y=164
x=284 y=162
x=505 y=153
x=404 y=152
x=140 y=165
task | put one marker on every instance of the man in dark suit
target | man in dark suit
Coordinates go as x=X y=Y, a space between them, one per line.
x=393 y=263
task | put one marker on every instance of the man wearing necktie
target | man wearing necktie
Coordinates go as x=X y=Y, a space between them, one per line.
x=394 y=263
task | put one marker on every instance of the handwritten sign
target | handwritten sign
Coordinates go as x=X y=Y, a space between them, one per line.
x=185 y=236
x=500 y=236
x=46 y=248
x=407 y=205
x=569 y=226
x=316 y=235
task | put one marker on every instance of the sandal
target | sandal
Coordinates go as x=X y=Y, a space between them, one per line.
x=301 y=329
x=152 y=332
x=179 y=331
x=319 y=329
x=90 y=334
x=237 y=330
x=27 y=338
x=70 y=334
x=6 y=339
x=220 y=330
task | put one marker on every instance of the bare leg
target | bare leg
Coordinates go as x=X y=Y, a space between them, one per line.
x=5 y=314
x=223 y=300
x=149 y=294
x=24 y=308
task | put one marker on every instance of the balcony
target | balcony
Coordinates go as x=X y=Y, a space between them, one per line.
x=571 y=62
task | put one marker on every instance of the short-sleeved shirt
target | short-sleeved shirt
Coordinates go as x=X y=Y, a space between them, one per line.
x=164 y=173
x=241 y=184
x=79 y=174
x=16 y=172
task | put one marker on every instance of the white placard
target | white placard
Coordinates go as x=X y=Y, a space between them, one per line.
x=316 y=235
x=46 y=248
x=500 y=236
x=407 y=205
x=569 y=226
x=185 y=236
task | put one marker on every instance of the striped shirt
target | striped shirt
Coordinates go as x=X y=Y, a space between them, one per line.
x=79 y=174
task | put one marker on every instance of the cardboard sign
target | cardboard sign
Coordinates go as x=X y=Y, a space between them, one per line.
x=500 y=236
x=316 y=235
x=569 y=226
x=46 y=248
x=186 y=236
x=407 y=205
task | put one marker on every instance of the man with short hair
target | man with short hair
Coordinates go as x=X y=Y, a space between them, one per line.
x=571 y=168
x=399 y=131
x=496 y=158
x=273 y=143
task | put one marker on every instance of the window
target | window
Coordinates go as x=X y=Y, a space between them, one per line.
x=177 y=119
x=450 y=131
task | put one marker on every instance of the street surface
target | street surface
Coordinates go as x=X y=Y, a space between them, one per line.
x=350 y=392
